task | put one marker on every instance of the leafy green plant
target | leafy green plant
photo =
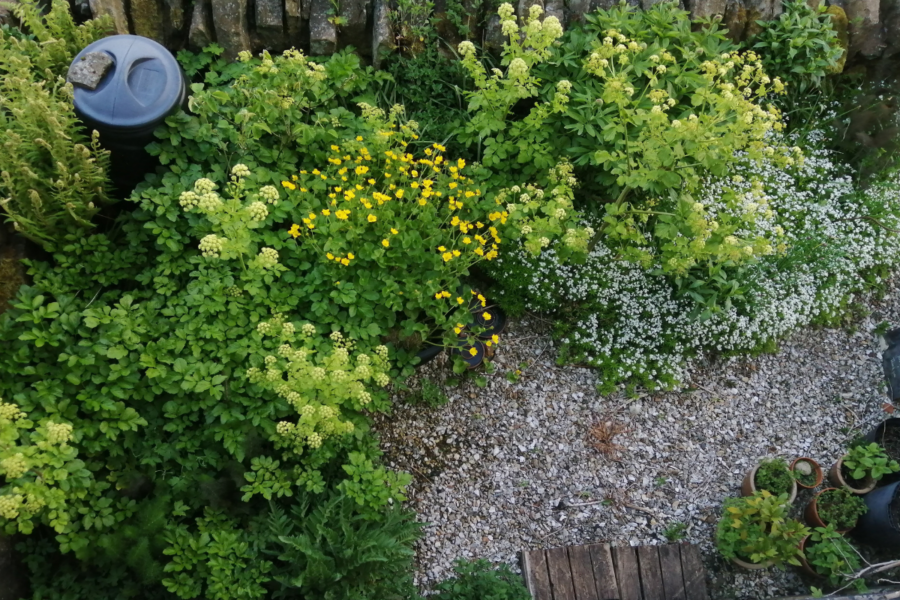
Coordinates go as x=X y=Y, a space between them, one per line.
x=330 y=552
x=840 y=508
x=430 y=394
x=756 y=529
x=800 y=46
x=773 y=475
x=675 y=532
x=832 y=556
x=53 y=177
x=869 y=461
x=476 y=580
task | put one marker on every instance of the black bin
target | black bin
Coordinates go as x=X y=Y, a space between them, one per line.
x=144 y=85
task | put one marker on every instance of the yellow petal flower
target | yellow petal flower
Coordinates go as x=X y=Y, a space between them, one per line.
x=350 y=255
x=372 y=218
x=385 y=243
x=473 y=352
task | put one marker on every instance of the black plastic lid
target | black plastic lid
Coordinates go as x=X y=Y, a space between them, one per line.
x=144 y=85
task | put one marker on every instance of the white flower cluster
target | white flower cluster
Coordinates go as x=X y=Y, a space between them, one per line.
x=267 y=258
x=257 y=211
x=211 y=245
x=240 y=171
x=269 y=193
x=638 y=328
x=59 y=433
x=14 y=466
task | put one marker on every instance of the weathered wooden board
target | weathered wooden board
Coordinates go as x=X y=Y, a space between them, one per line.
x=651 y=575
x=582 y=573
x=560 y=574
x=693 y=573
x=627 y=576
x=537 y=577
x=670 y=563
x=604 y=572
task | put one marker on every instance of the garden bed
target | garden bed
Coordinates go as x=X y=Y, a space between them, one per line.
x=510 y=465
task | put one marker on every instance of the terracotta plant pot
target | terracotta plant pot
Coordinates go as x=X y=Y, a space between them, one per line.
x=837 y=479
x=817 y=471
x=804 y=565
x=752 y=566
x=811 y=514
x=748 y=485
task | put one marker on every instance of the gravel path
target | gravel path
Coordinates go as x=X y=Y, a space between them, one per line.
x=509 y=466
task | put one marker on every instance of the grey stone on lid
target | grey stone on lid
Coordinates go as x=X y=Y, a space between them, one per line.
x=90 y=70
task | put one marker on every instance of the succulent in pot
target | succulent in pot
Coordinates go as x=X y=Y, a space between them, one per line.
x=860 y=469
x=807 y=472
x=755 y=532
x=772 y=475
x=830 y=555
x=835 y=506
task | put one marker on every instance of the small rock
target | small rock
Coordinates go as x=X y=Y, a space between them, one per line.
x=90 y=70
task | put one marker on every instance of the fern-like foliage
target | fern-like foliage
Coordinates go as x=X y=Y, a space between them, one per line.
x=330 y=551
x=53 y=177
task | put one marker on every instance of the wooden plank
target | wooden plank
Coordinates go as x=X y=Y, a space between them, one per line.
x=670 y=563
x=627 y=573
x=651 y=575
x=693 y=573
x=604 y=573
x=537 y=577
x=560 y=574
x=582 y=573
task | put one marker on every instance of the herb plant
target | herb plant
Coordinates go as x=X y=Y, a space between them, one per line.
x=756 y=529
x=840 y=508
x=869 y=461
x=832 y=556
x=476 y=580
x=53 y=174
x=773 y=475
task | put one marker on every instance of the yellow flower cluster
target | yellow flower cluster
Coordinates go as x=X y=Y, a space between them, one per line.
x=353 y=178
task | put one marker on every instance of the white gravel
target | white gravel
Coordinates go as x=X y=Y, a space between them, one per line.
x=494 y=467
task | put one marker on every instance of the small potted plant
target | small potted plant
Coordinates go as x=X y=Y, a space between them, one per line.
x=807 y=473
x=755 y=533
x=835 y=506
x=860 y=469
x=772 y=475
x=829 y=555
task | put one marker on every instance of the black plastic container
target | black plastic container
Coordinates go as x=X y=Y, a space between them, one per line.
x=495 y=326
x=428 y=353
x=890 y=359
x=143 y=87
x=877 y=436
x=877 y=527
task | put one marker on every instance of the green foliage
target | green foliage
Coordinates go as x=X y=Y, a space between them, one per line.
x=832 y=556
x=430 y=86
x=499 y=136
x=756 y=529
x=869 y=461
x=331 y=552
x=52 y=176
x=430 y=394
x=840 y=508
x=773 y=475
x=476 y=580
x=675 y=532
x=800 y=46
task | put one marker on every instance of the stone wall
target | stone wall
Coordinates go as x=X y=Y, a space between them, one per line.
x=874 y=25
